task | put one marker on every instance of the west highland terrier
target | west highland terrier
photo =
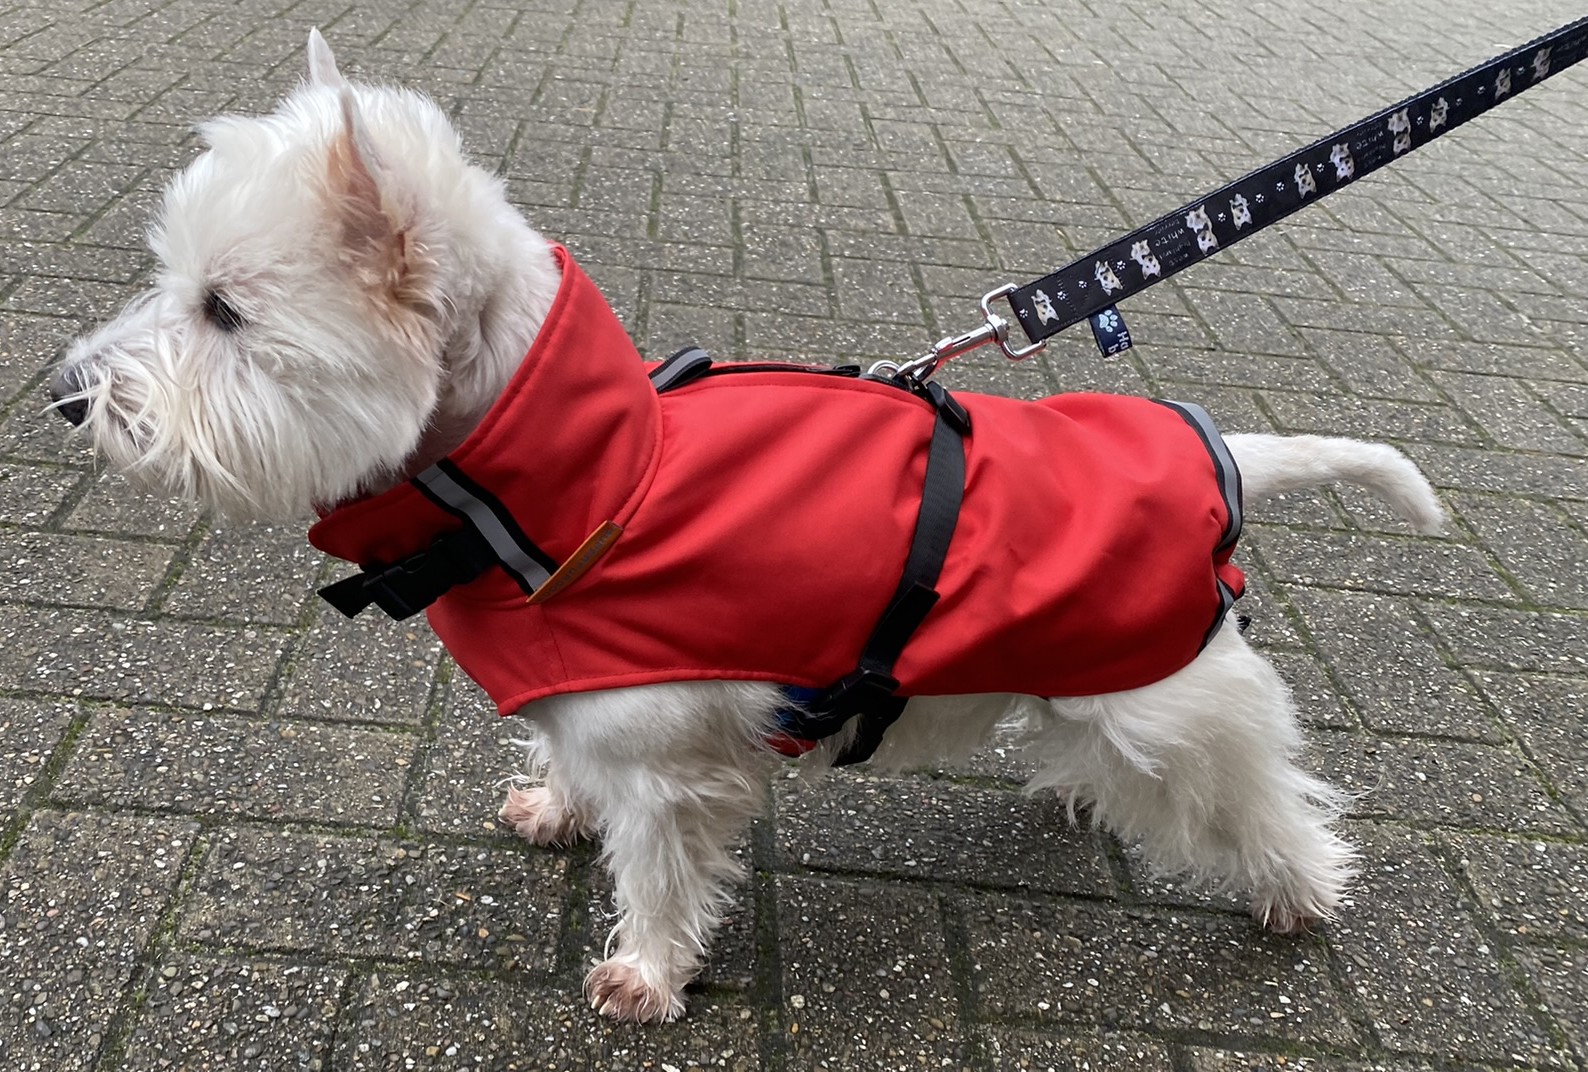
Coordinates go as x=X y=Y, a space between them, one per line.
x=674 y=577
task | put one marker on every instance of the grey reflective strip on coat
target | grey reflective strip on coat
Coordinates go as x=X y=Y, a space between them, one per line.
x=1223 y=463
x=479 y=514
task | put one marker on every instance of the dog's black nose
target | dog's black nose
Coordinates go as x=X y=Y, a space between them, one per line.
x=66 y=391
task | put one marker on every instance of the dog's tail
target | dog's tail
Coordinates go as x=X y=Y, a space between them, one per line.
x=1272 y=464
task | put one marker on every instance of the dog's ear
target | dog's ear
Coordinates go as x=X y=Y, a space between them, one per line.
x=322 y=64
x=373 y=224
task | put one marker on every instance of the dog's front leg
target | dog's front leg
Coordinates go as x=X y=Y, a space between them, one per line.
x=674 y=773
x=549 y=814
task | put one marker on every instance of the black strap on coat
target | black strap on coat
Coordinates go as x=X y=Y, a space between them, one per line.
x=870 y=690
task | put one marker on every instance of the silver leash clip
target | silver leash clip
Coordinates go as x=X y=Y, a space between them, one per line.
x=994 y=328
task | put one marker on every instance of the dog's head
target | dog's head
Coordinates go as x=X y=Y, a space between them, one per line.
x=319 y=276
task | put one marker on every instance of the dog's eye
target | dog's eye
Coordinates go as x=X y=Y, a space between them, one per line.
x=220 y=312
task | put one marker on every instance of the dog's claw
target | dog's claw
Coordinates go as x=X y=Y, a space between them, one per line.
x=616 y=989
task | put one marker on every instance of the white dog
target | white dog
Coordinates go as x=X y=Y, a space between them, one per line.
x=342 y=299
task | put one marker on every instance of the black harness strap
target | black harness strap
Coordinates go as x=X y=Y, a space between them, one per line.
x=870 y=689
x=1088 y=289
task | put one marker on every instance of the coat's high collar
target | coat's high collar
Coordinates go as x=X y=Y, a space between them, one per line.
x=575 y=436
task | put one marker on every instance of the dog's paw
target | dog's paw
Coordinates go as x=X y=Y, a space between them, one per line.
x=541 y=816
x=615 y=988
x=1288 y=921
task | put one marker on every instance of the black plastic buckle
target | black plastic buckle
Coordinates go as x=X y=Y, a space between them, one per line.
x=856 y=692
x=407 y=587
x=399 y=589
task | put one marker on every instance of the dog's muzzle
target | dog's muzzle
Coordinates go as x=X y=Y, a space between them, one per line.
x=66 y=394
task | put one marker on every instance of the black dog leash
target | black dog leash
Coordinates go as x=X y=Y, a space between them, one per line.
x=1089 y=288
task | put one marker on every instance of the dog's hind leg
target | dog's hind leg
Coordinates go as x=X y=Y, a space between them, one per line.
x=1200 y=769
x=674 y=774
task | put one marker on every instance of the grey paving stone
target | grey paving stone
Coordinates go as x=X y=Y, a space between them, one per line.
x=1393 y=673
x=111 y=505
x=1404 y=566
x=1561 y=975
x=1081 y=1052
x=1082 y=965
x=1534 y=544
x=1379 y=320
x=207 y=1012
x=400 y=1022
x=1368 y=418
x=1510 y=413
x=249 y=573
x=1146 y=885
x=93 y=654
x=932 y=830
x=1269 y=627
x=403 y=1022
x=82 y=570
x=1410 y=951
x=859 y=994
x=213 y=764
x=1546 y=476
x=30 y=731
x=1455 y=783
x=1512 y=639
x=368 y=669
x=362 y=896
x=1547 y=715
x=71 y=948
x=1534 y=889
x=1242 y=324
x=29 y=494
x=671 y=327
x=27 y=343
x=467 y=764
x=1317 y=701
x=499 y=907
x=1241 y=369
x=1365 y=278
x=1235 y=1061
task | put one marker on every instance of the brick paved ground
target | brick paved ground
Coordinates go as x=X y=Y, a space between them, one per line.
x=241 y=834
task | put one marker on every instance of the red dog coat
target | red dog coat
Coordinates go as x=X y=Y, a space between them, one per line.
x=765 y=519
